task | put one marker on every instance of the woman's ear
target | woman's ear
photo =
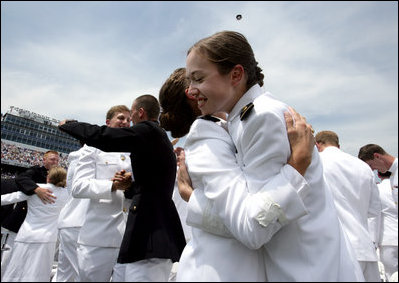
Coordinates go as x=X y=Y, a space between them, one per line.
x=237 y=74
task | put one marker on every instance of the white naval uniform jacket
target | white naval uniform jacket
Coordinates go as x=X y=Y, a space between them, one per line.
x=213 y=171
x=74 y=212
x=105 y=224
x=40 y=224
x=313 y=248
x=356 y=198
x=308 y=245
x=221 y=203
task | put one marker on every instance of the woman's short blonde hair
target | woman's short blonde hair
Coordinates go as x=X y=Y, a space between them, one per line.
x=57 y=176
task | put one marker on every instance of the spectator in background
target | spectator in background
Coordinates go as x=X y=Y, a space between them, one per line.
x=19 y=155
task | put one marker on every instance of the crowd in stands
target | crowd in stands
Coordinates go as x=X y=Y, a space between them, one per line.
x=24 y=157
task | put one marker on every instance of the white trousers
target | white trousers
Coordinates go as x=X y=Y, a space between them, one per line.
x=148 y=270
x=389 y=257
x=30 y=262
x=118 y=274
x=95 y=264
x=67 y=270
x=370 y=271
x=173 y=272
x=7 y=243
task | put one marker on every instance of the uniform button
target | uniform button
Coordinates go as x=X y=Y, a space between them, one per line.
x=124 y=209
x=134 y=208
x=123 y=157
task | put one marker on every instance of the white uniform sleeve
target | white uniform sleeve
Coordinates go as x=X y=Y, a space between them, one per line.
x=222 y=196
x=374 y=213
x=375 y=201
x=85 y=184
x=13 y=198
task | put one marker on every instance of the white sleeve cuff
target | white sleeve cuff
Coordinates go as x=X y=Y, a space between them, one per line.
x=201 y=215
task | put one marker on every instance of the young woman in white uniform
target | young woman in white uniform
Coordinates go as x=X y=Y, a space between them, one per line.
x=293 y=241
x=212 y=256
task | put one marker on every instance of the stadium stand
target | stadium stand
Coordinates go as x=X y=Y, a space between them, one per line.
x=25 y=136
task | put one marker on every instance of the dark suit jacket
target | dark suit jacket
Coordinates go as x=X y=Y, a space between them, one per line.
x=7 y=186
x=26 y=182
x=153 y=227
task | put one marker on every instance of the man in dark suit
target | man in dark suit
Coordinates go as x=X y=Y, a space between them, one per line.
x=27 y=181
x=154 y=236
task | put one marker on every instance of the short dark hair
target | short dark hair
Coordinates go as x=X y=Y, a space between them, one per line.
x=367 y=152
x=150 y=105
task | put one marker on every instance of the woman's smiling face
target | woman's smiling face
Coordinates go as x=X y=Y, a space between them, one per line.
x=212 y=90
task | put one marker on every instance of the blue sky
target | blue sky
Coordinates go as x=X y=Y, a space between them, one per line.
x=335 y=62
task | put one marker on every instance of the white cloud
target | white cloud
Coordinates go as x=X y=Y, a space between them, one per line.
x=335 y=62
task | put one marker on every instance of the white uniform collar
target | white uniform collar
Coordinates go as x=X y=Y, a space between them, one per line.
x=394 y=166
x=248 y=97
x=331 y=148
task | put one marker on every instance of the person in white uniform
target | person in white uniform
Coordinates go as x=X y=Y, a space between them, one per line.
x=388 y=235
x=206 y=142
x=224 y=77
x=356 y=198
x=378 y=159
x=34 y=247
x=27 y=182
x=203 y=247
x=181 y=206
x=101 y=234
x=70 y=221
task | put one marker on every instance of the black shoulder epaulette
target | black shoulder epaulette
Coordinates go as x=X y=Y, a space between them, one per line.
x=246 y=110
x=210 y=118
